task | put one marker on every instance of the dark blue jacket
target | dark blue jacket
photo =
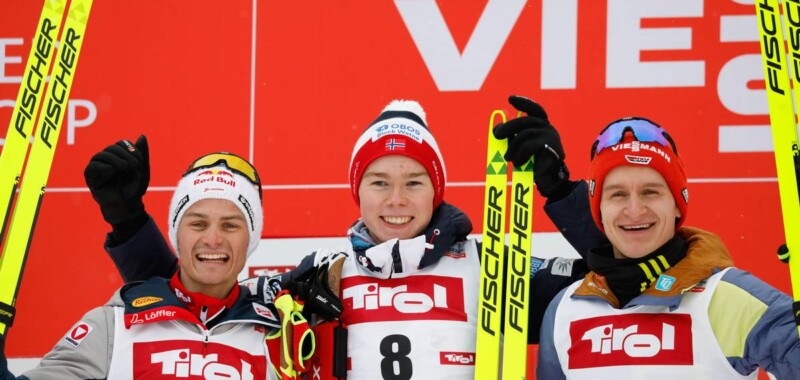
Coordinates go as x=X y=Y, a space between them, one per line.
x=147 y=254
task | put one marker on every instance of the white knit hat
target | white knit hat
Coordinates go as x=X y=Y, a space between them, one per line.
x=217 y=182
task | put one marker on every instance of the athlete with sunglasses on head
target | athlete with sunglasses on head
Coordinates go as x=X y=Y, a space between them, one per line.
x=196 y=322
x=407 y=236
x=662 y=300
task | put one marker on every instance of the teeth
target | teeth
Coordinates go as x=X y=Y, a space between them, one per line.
x=212 y=257
x=636 y=227
x=397 y=219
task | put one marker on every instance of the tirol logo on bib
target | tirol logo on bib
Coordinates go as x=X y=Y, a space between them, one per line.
x=185 y=359
x=631 y=339
x=411 y=298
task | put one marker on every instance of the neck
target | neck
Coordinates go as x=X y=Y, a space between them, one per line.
x=203 y=305
x=628 y=278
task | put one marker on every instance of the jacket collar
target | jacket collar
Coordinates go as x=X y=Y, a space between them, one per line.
x=154 y=301
x=399 y=258
x=706 y=255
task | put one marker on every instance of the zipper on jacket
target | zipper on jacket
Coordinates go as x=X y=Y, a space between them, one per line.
x=206 y=334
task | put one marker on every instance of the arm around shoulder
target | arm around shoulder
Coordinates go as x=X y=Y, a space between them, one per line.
x=573 y=218
x=146 y=254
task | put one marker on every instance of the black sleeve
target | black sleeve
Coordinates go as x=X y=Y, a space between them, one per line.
x=547 y=279
x=145 y=255
x=573 y=217
x=305 y=265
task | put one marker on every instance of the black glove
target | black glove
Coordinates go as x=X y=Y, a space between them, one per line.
x=318 y=287
x=118 y=177
x=532 y=136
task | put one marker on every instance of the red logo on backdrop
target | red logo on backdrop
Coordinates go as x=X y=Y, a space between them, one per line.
x=185 y=359
x=413 y=298
x=457 y=358
x=632 y=339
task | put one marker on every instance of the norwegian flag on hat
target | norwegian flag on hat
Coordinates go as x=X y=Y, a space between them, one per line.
x=400 y=129
x=396 y=145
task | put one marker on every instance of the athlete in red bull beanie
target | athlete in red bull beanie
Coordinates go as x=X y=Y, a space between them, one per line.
x=199 y=323
x=662 y=300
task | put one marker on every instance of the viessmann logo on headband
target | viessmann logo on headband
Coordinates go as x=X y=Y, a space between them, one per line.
x=638 y=146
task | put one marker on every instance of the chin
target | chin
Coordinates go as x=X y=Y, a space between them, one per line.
x=638 y=253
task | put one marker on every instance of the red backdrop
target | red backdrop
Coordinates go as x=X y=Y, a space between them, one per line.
x=304 y=80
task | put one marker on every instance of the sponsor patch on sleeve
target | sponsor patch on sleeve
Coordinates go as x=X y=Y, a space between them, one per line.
x=536 y=264
x=561 y=266
x=263 y=311
x=78 y=333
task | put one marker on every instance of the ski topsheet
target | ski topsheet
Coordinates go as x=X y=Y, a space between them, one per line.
x=21 y=221
x=487 y=350
x=783 y=120
x=29 y=100
x=499 y=290
x=517 y=297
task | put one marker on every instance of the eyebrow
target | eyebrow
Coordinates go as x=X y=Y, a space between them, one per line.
x=386 y=175
x=205 y=216
x=648 y=184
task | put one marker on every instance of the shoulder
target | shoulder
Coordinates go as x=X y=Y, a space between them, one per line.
x=743 y=303
x=558 y=269
x=739 y=284
x=84 y=351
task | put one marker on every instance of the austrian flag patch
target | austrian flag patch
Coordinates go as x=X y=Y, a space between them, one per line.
x=78 y=333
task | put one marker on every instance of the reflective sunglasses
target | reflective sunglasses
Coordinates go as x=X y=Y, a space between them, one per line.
x=642 y=129
x=233 y=162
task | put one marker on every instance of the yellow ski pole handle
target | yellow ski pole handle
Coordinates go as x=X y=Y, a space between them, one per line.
x=783 y=121
x=37 y=170
x=517 y=297
x=487 y=350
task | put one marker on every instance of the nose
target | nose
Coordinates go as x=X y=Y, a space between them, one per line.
x=398 y=196
x=212 y=237
x=635 y=207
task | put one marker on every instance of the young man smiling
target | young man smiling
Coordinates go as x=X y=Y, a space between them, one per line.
x=396 y=198
x=199 y=323
x=638 y=211
x=662 y=301
x=409 y=279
